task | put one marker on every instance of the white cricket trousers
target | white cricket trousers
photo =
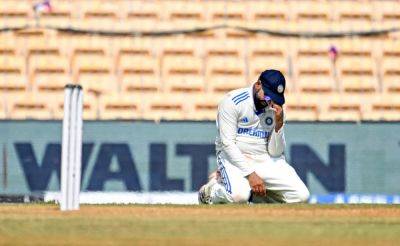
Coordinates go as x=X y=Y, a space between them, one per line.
x=281 y=181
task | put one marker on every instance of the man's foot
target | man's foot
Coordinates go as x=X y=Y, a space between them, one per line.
x=205 y=190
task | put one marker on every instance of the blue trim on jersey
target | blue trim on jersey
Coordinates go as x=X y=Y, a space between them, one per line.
x=225 y=179
x=224 y=175
x=243 y=96
x=239 y=95
x=241 y=100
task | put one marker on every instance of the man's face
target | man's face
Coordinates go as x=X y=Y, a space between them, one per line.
x=263 y=100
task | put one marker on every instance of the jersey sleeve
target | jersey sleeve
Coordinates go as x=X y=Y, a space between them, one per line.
x=227 y=125
x=276 y=143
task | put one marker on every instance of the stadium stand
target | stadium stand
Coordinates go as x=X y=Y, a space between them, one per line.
x=390 y=66
x=387 y=13
x=168 y=106
x=384 y=107
x=301 y=108
x=115 y=106
x=183 y=74
x=143 y=15
x=164 y=71
x=340 y=108
x=29 y=106
x=90 y=106
x=61 y=15
x=203 y=106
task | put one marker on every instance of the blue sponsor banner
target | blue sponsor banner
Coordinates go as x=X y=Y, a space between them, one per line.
x=177 y=156
x=355 y=199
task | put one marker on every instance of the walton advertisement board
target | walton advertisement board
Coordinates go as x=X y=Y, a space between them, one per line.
x=177 y=156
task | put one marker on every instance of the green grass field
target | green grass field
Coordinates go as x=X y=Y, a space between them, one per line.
x=40 y=224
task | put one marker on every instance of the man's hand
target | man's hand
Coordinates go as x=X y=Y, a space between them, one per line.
x=257 y=184
x=278 y=116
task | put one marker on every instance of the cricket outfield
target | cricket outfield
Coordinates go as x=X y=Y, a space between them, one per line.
x=299 y=224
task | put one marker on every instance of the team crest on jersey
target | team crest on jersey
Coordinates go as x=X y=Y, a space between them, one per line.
x=268 y=121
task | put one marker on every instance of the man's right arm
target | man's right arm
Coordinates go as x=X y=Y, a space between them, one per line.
x=228 y=123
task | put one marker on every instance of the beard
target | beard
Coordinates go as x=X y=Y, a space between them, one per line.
x=260 y=104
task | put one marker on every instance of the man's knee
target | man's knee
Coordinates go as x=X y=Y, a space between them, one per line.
x=303 y=194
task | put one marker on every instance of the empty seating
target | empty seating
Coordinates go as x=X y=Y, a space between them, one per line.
x=98 y=84
x=59 y=16
x=391 y=74
x=299 y=108
x=139 y=74
x=23 y=39
x=316 y=84
x=227 y=12
x=166 y=107
x=143 y=15
x=11 y=83
x=225 y=73
x=271 y=14
x=390 y=66
x=15 y=13
x=89 y=58
x=356 y=48
x=50 y=82
x=384 y=107
x=92 y=64
x=315 y=15
x=316 y=48
x=268 y=45
x=340 y=108
x=357 y=74
x=224 y=48
x=12 y=64
x=114 y=106
x=387 y=13
x=48 y=65
x=122 y=75
x=79 y=46
x=183 y=74
x=7 y=46
x=204 y=106
x=185 y=14
x=315 y=75
x=353 y=13
x=138 y=47
x=29 y=106
x=12 y=74
x=179 y=47
x=90 y=106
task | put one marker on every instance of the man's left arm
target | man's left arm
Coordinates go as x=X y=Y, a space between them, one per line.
x=277 y=144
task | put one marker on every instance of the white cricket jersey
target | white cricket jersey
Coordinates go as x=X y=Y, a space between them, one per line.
x=242 y=130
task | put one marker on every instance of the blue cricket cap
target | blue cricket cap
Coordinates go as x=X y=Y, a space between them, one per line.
x=273 y=84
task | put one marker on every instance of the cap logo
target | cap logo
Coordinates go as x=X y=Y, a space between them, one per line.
x=280 y=88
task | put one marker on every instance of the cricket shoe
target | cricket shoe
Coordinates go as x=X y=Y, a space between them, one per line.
x=205 y=190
